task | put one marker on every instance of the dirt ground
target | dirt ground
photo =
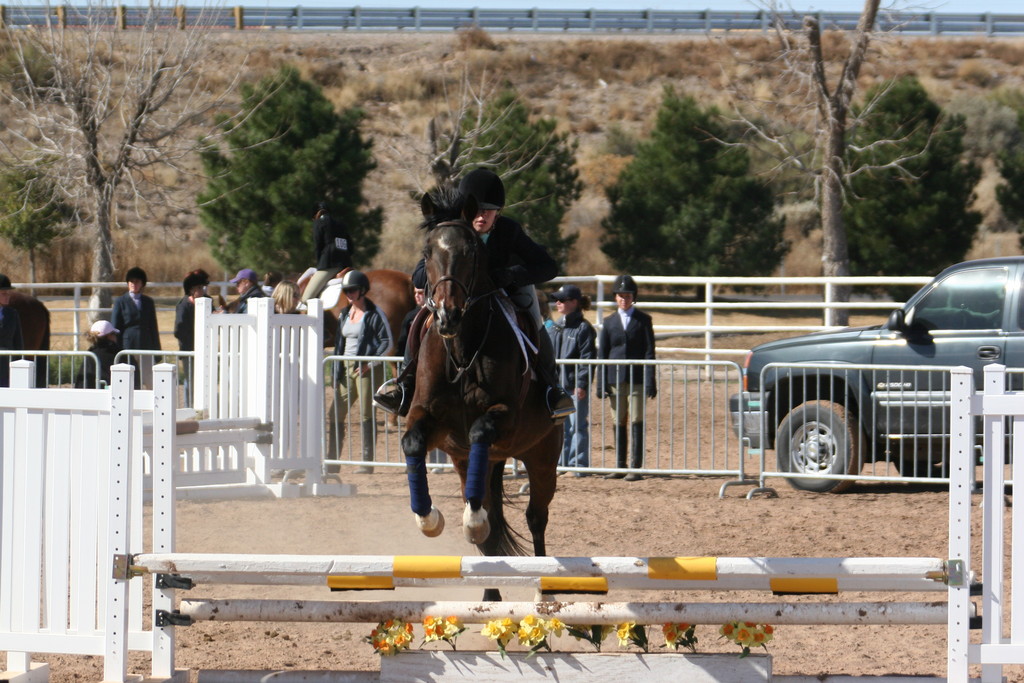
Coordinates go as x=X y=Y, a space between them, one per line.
x=590 y=517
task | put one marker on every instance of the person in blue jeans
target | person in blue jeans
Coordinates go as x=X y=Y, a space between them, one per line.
x=573 y=339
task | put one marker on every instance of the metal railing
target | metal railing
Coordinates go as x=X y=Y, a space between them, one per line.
x=531 y=20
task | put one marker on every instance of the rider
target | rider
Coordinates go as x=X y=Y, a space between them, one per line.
x=516 y=263
x=333 y=250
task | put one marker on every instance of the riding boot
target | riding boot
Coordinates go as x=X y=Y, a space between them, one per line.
x=369 y=432
x=620 y=452
x=636 y=458
x=560 y=404
x=335 y=439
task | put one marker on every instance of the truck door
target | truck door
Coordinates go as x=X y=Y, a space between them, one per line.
x=955 y=320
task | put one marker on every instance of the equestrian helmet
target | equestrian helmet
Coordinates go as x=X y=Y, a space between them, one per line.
x=625 y=284
x=485 y=187
x=136 y=273
x=355 y=279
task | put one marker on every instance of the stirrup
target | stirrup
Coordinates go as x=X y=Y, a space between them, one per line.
x=559 y=412
x=384 y=399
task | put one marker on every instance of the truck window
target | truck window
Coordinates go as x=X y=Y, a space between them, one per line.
x=966 y=300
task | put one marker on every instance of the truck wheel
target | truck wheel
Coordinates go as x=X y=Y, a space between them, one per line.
x=817 y=438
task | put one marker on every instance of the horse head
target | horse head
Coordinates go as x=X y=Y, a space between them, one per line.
x=456 y=263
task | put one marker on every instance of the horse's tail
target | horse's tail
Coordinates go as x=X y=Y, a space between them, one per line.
x=503 y=540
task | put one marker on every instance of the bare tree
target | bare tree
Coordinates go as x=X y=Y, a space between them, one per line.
x=816 y=97
x=113 y=103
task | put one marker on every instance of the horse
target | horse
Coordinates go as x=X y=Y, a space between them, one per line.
x=35 y=330
x=474 y=397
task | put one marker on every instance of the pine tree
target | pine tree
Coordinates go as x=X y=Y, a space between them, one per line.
x=686 y=204
x=1011 y=167
x=538 y=166
x=914 y=218
x=30 y=217
x=290 y=151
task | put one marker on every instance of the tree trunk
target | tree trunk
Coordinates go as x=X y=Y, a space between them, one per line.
x=32 y=265
x=835 y=253
x=102 y=256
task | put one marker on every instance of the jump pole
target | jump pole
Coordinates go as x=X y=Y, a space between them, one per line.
x=869 y=613
x=586 y=574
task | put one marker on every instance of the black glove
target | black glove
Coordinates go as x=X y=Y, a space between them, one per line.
x=652 y=391
x=502 y=277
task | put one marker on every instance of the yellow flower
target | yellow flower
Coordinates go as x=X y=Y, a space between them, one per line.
x=625 y=632
x=500 y=630
x=556 y=626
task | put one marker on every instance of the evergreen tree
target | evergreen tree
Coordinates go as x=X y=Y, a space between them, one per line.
x=538 y=164
x=686 y=204
x=1011 y=166
x=290 y=151
x=915 y=218
x=30 y=217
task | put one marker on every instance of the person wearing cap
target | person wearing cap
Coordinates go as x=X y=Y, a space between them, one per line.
x=102 y=338
x=11 y=338
x=194 y=286
x=363 y=330
x=626 y=334
x=574 y=339
x=134 y=315
x=247 y=282
x=515 y=263
x=332 y=248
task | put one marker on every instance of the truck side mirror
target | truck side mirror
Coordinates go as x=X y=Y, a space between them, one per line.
x=897 y=322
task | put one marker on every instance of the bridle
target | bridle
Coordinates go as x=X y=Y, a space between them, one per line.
x=469 y=302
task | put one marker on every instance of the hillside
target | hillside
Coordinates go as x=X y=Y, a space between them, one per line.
x=591 y=84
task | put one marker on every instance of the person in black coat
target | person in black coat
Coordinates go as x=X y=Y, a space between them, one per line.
x=333 y=251
x=194 y=286
x=627 y=334
x=134 y=314
x=515 y=263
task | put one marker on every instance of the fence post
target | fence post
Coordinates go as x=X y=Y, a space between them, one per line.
x=3 y=16
x=179 y=13
x=535 y=17
x=165 y=392
x=121 y=17
x=239 y=13
x=202 y=365
x=62 y=16
x=961 y=458
x=299 y=14
x=709 y=320
x=829 y=312
x=23 y=374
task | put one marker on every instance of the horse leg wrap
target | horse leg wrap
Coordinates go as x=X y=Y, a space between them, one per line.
x=476 y=476
x=419 y=494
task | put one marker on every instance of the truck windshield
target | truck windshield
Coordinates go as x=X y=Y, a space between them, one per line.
x=966 y=300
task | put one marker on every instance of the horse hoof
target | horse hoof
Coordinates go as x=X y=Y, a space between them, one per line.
x=433 y=524
x=475 y=526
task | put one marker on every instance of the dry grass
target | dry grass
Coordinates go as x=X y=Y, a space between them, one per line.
x=587 y=83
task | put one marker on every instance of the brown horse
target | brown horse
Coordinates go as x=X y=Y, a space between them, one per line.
x=35 y=329
x=474 y=397
x=390 y=290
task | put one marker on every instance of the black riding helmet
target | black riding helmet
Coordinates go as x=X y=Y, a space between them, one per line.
x=485 y=187
x=197 y=278
x=136 y=273
x=625 y=284
x=355 y=278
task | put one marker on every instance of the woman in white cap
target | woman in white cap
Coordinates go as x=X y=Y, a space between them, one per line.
x=102 y=338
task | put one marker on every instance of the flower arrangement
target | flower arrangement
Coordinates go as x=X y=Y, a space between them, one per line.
x=445 y=629
x=679 y=635
x=747 y=634
x=394 y=635
x=390 y=637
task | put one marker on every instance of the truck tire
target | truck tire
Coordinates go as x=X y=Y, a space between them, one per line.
x=817 y=438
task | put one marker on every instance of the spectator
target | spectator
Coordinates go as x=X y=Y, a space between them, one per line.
x=286 y=297
x=574 y=338
x=271 y=279
x=362 y=331
x=627 y=334
x=194 y=286
x=10 y=330
x=102 y=338
x=134 y=316
x=248 y=285
x=332 y=249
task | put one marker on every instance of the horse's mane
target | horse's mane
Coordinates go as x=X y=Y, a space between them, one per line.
x=442 y=203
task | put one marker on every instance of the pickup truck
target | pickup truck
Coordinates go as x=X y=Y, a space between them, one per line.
x=863 y=395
